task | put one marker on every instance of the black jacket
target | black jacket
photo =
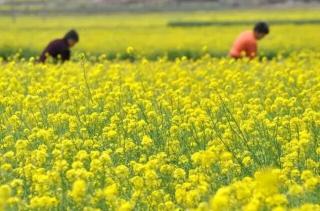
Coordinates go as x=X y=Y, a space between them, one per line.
x=57 y=49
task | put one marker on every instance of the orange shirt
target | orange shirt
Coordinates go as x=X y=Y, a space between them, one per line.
x=245 y=44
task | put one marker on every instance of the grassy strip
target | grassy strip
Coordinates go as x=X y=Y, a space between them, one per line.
x=170 y=54
x=236 y=23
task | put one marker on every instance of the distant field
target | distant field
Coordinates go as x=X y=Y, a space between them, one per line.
x=151 y=36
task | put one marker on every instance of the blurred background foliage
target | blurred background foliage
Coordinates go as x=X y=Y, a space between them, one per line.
x=156 y=28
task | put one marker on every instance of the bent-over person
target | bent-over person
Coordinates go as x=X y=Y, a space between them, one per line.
x=60 y=48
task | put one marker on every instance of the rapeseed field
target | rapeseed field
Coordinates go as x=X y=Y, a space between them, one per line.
x=152 y=37
x=207 y=134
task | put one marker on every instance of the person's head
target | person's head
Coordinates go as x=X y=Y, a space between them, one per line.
x=72 y=38
x=261 y=29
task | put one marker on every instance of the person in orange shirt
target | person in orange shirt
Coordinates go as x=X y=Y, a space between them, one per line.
x=246 y=44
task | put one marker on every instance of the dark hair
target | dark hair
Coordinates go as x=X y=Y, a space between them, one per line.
x=262 y=27
x=72 y=34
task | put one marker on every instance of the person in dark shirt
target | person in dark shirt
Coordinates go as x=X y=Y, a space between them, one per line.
x=60 y=48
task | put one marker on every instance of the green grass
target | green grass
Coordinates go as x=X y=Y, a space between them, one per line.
x=237 y=23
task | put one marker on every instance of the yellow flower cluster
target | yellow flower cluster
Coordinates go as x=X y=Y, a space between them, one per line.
x=270 y=189
x=211 y=134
